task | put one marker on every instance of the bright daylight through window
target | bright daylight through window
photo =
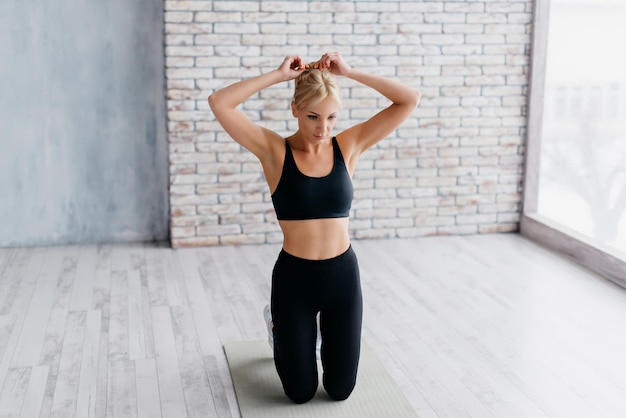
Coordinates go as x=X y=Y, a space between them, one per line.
x=582 y=182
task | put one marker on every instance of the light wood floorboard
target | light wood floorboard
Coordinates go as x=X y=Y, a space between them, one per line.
x=468 y=326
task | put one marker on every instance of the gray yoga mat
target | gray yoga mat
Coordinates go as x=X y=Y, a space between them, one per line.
x=260 y=393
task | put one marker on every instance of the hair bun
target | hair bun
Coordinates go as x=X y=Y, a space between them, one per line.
x=313 y=86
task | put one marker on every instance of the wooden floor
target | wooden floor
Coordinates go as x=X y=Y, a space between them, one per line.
x=478 y=326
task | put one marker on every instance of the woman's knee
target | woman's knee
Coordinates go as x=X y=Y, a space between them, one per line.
x=339 y=392
x=301 y=394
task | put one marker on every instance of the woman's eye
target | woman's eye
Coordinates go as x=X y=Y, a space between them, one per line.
x=332 y=117
x=312 y=117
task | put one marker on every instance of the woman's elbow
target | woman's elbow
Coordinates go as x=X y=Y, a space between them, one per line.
x=213 y=101
x=411 y=98
x=417 y=96
x=220 y=101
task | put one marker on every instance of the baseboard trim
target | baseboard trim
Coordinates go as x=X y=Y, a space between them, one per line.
x=605 y=261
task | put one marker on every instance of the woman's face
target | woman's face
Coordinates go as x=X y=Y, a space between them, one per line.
x=316 y=123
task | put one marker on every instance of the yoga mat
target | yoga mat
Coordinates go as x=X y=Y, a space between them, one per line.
x=260 y=393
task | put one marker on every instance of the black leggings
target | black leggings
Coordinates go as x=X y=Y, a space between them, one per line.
x=300 y=289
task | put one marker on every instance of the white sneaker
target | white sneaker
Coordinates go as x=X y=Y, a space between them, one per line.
x=267 y=315
x=318 y=342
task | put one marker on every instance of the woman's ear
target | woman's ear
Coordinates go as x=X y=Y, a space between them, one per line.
x=294 y=109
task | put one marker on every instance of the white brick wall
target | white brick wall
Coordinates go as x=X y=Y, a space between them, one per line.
x=455 y=167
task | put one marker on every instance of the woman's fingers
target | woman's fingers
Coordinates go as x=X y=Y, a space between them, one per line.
x=295 y=63
x=328 y=61
x=333 y=62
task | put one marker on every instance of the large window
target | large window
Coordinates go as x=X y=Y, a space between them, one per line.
x=582 y=179
x=578 y=121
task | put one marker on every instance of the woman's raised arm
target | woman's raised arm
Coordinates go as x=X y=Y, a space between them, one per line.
x=224 y=104
x=404 y=100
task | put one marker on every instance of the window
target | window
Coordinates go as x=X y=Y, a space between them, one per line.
x=577 y=122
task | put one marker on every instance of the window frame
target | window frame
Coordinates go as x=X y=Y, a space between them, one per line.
x=598 y=258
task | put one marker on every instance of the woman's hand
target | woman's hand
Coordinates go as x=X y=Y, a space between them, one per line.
x=333 y=62
x=292 y=67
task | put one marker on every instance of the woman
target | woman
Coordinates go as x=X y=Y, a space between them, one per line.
x=309 y=174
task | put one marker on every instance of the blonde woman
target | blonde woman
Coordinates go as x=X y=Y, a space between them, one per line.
x=309 y=174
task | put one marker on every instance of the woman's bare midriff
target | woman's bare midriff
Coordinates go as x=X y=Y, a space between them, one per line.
x=316 y=239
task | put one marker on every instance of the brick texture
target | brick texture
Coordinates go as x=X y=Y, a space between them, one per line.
x=454 y=167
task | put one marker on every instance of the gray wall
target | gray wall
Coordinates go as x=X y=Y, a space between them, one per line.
x=83 y=153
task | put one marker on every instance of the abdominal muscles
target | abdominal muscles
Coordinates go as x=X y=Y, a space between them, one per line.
x=316 y=239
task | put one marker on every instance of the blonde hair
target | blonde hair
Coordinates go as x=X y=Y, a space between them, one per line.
x=313 y=86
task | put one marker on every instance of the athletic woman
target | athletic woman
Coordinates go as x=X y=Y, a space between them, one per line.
x=309 y=174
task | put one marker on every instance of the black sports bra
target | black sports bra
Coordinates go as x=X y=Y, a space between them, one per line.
x=300 y=197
